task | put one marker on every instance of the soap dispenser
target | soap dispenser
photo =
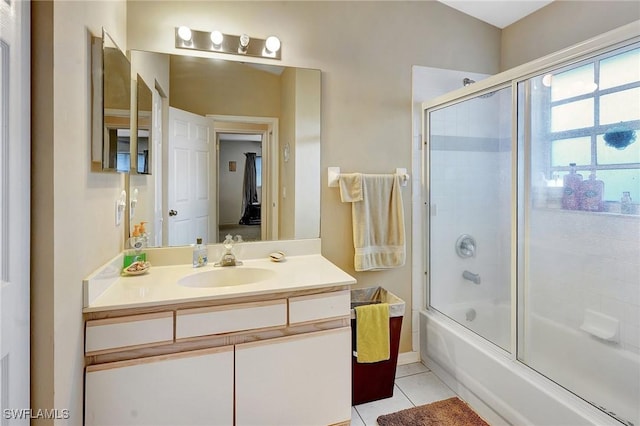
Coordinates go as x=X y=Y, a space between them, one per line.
x=200 y=254
x=135 y=252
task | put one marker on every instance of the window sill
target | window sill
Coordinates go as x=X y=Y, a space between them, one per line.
x=611 y=212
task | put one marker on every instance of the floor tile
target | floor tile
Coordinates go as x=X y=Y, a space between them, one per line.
x=355 y=418
x=424 y=388
x=370 y=411
x=409 y=369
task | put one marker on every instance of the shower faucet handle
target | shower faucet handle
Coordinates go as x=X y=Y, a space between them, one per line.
x=466 y=246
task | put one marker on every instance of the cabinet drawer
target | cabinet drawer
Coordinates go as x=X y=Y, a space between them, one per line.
x=112 y=334
x=319 y=306
x=230 y=318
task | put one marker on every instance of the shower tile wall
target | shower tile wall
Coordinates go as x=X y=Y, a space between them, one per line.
x=463 y=202
x=583 y=260
x=470 y=193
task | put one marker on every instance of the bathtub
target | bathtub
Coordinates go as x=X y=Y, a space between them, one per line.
x=505 y=391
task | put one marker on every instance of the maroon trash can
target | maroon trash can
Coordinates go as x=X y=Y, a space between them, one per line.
x=373 y=381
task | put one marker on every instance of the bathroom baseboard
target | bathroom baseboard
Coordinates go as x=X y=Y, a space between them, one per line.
x=408 y=357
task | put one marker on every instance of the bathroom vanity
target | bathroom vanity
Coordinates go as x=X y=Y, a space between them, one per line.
x=272 y=346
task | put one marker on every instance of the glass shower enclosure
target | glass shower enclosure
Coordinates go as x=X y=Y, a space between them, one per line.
x=533 y=239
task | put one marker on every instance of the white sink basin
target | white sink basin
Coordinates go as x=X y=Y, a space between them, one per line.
x=226 y=277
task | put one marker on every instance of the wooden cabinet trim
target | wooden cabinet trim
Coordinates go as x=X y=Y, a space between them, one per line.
x=317 y=295
x=147 y=360
x=291 y=337
x=207 y=309
x=128 y=318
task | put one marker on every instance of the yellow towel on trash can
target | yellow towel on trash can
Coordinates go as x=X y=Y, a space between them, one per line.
x=372 y=332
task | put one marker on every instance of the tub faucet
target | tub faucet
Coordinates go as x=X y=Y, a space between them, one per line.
x=229 y=258
x=475 y=278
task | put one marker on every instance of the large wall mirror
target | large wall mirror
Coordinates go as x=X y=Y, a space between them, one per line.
x=236 y=150
x=111 y=103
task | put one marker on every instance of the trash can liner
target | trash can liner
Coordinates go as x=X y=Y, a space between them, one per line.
x=373 y=295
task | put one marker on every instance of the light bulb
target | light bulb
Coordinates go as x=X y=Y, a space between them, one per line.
x=272 y=44
x=216 y=37
x=184 y=33
x=244 y=40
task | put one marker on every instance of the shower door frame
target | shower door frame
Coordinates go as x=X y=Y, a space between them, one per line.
x=611 y=40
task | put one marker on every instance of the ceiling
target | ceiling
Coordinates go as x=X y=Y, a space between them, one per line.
x=499 y=13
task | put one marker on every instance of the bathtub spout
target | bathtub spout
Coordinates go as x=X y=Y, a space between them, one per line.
x=475 y=278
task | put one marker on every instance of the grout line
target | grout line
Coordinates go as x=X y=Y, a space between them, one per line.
x=413 y=374
x=359 y=416
x=405 y=395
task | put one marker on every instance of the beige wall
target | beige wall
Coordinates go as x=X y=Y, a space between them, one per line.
x=562 y=24
x=366 y=83
x=73 y=220
x=223 y=88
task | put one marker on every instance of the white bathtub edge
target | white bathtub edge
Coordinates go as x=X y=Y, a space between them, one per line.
x=520 y=396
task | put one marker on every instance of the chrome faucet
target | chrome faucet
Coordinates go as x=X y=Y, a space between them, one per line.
x=475 y=278
x=229 y=258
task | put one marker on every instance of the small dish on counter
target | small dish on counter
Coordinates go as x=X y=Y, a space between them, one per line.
x=137 y=268
x=277 y=256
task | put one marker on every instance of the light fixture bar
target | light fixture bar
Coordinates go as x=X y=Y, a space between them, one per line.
x=201 y=40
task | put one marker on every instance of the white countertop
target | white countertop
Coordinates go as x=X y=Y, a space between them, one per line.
x=159 y=286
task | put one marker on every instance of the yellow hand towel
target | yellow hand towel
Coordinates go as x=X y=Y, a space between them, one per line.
x=372 y=332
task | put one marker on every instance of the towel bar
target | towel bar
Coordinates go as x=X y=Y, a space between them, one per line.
x=333 y=176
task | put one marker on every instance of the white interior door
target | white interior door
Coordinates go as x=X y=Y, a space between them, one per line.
x=15 y=193
x=190 y=178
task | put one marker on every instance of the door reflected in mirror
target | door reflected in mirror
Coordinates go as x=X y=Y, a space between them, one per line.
x=209 y=105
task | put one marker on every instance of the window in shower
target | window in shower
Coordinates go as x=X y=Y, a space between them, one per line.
x=469 y=165
x=593 y=112
x=578 y=288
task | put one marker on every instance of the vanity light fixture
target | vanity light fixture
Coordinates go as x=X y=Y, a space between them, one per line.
x=216 y=41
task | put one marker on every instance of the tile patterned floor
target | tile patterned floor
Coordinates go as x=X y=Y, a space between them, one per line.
x=415 y=385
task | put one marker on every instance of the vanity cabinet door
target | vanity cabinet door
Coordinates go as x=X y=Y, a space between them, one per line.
x=297 y=380
x=189 y=388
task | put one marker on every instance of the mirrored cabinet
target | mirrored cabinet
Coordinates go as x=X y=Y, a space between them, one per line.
x=111 y=103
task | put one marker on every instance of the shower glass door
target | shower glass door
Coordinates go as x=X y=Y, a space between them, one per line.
x=469 y=184
x=579 y=232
